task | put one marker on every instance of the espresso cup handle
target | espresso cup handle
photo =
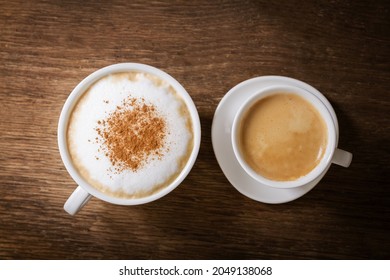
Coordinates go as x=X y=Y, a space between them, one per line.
x=342 y=158
x=76 y=200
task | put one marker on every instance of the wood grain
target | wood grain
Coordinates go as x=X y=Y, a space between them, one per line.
x=340 y=47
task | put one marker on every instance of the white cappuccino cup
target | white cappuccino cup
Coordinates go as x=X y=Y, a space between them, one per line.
x=128 y=134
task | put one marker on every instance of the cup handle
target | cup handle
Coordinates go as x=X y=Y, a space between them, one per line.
x=342 y=157
x=76 y=201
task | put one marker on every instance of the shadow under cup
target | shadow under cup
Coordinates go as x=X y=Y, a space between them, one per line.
x=85 y=190
x=327 y=157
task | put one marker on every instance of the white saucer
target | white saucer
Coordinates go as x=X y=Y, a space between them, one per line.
x=221 y=139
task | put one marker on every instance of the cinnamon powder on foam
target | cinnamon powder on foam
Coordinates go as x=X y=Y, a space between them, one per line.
x=132 y=135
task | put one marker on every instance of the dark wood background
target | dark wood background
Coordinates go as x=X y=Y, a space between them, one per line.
x=339 y=47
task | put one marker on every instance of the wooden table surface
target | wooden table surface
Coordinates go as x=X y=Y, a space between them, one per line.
x=339 y=47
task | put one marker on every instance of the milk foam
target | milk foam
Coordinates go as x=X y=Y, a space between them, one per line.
x=101 y=99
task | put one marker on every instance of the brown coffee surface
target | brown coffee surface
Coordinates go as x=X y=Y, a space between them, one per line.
x=283 y=137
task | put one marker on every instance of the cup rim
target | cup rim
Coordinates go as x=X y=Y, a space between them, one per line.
x=79 y=90
x=325 y=114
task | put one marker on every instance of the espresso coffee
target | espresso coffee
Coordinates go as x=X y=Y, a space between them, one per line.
x=282 y=137
x=130 y=134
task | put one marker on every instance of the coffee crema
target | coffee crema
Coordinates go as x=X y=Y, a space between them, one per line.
x=130 y=134
x=282 y=137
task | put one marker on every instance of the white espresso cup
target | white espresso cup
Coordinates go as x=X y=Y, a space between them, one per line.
x=332 y=154
x=85 y=189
